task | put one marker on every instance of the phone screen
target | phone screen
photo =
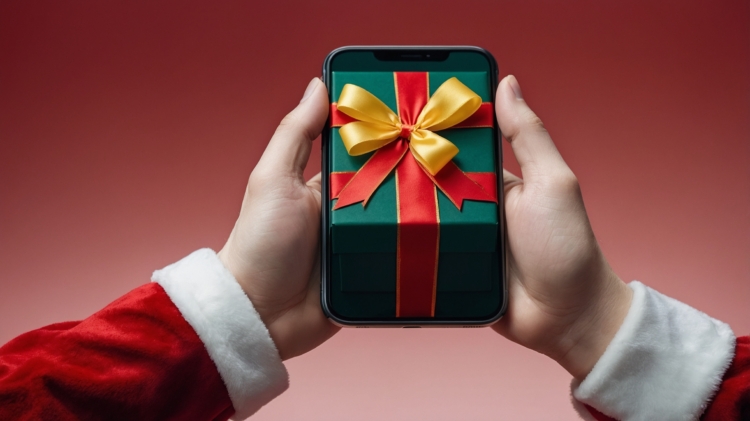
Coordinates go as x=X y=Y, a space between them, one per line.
x=399 y=246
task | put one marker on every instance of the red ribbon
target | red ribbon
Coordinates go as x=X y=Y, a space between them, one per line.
x=416 y=197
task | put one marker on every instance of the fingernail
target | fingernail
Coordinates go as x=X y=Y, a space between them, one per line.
x=513 y=82
x=310 y=88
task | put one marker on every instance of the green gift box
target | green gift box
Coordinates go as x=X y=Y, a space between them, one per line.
x=365 y=238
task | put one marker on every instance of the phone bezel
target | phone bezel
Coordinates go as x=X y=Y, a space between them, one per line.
x=325 y=243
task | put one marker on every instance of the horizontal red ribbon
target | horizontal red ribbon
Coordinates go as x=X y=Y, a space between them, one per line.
x=483 y=117
x=486 y=180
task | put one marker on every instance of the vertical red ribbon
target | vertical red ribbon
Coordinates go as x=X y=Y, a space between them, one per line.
x=418 y=217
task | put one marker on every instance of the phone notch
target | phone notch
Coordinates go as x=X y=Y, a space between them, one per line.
x=412 y=55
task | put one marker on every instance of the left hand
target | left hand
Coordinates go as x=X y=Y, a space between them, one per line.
x=273 y=250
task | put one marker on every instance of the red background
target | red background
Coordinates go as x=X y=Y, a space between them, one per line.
x=128 y=131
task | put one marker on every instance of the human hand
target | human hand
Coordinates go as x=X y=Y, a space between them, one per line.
x=564 y=299
x=273 y=250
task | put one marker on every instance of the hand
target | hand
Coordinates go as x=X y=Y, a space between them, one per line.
x=273 y=250
x=564 y=299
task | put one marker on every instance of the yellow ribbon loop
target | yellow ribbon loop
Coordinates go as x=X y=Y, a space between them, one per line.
x=431 y=150
x=452 y=103
x=377 y=125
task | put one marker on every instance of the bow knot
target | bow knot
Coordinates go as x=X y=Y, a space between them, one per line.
x=377 y=125
x=405 y=131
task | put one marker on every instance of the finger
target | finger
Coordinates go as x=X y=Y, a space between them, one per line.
x=314 y=182
x=510 y=180
x=289 y=148
x=532 y=145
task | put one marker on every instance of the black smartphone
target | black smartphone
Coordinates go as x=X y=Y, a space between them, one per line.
x=412 y=225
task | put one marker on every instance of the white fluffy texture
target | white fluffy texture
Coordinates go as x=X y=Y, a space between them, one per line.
x=236 y=339
x=665 y=363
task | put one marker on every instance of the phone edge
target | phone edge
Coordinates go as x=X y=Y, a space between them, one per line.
x=326 y=254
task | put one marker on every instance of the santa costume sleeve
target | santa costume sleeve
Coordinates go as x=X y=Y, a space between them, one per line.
x=668 y=361
x=189 y=346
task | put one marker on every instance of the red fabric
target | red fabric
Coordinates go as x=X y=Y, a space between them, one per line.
x=412 y=94
x=416 y=206
x=418 y=241
x=339 y=180
x=487 y=181
x=364 y=183
x=137 y=359
x=732 y=401
x=458 y=186
x=598 y=416
x=338 y=118
x=483 y=117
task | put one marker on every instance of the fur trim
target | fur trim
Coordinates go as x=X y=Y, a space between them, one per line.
x=236 y=339
x=665 y=363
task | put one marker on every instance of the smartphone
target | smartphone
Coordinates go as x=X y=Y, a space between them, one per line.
x=412 y=225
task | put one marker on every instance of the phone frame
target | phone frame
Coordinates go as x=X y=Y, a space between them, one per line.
x=325 y=243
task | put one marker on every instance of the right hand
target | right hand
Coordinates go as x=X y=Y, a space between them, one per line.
x=564 y=299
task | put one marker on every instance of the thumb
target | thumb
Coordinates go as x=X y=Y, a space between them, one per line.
x=531 y=143
x=290 y=146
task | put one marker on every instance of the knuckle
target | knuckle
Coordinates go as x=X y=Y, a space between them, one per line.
x=527 y=122
x=289 y=122
x=536 y=123
x=567 y=181
x=292 y=124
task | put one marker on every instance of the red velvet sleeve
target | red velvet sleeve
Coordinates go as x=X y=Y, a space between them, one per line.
x=137 y=359
x=732 y=401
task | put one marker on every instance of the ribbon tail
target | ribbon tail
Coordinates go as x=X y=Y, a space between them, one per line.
x=337 y=181
x=458 y=186
x=364 y=183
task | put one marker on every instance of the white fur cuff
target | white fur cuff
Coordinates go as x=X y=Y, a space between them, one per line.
x=665 y=363
x=236 y=339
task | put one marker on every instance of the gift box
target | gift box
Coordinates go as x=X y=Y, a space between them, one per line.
x=414 y=220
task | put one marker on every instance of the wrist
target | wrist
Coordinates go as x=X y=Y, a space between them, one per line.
x=226 y=258
x=229 y=261
x=591 y=332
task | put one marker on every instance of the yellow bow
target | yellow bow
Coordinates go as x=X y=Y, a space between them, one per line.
x=452 y=103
